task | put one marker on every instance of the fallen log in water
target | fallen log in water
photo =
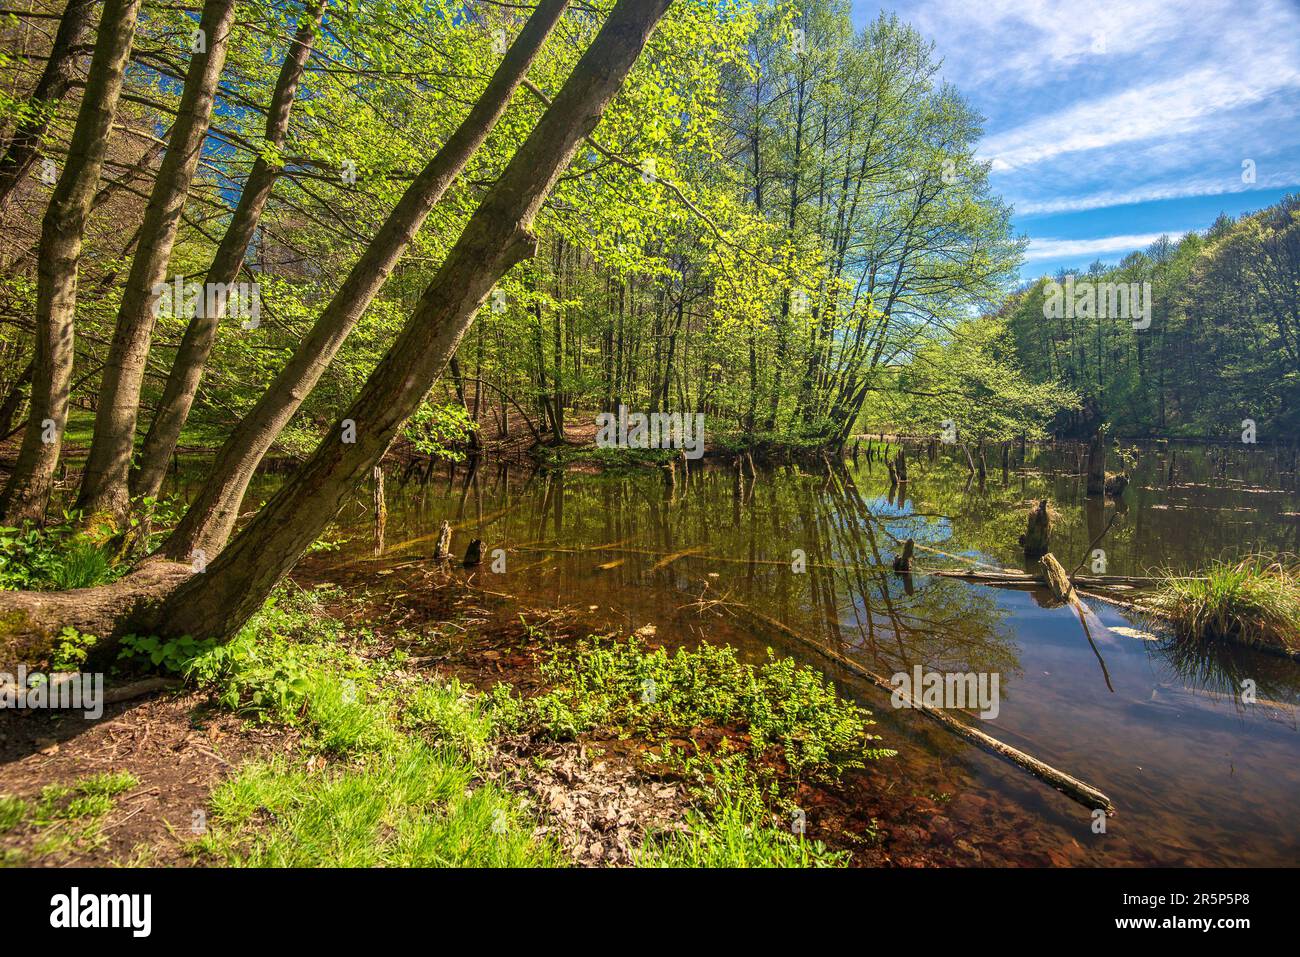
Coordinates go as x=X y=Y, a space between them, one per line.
x=1011 y=576
x=1079 y=791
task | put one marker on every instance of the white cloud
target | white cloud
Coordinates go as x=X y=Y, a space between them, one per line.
x=1062 y=248
x=1175 y=107
x=1155 y=191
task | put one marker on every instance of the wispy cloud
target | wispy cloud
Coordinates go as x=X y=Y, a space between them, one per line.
x=1065 y=248
x=1180 y=106
x=1178 y=189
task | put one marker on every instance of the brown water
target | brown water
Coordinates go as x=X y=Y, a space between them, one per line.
x=1198 y=776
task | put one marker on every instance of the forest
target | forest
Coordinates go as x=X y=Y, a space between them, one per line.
x=301 y=300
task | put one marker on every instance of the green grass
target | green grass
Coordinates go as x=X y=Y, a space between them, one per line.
x=735 y=828
x=391 y=769
x=396 y=790
x=82 y=566
x=1255 y=601
x=66 y=817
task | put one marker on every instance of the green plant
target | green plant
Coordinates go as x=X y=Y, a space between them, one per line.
x=736 y=830
x=12 y=812
x=780 y=704
x=1255 y=601
x=171 y=654
x=71 y=649
x=82 y=565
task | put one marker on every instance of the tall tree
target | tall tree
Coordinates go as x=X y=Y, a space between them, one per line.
x=55 y=80
x=211 y=516
x=104 y=487
x=498 y=235
x=62 y=231
x=196 y=345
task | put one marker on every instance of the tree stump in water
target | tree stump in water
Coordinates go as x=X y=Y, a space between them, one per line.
x=442 y=551
x=1037 y=540
x=893 y=473
x=1115 y=484
x=474 y=554
x=1097 y=463
x=903 y=563
x=900 y=465
x=381 y=510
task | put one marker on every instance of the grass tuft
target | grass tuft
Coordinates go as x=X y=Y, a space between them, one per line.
x=1255 y=601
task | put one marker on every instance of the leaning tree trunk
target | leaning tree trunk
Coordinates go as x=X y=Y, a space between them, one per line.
x=498 y=235
x=211 y=516
x=28 y=491
x=104 y=484
x=54 y=82
x=196 y=345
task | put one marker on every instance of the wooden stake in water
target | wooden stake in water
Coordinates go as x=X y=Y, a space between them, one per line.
x=381 y=510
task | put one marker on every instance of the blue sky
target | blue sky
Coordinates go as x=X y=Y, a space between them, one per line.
x=1109 y=123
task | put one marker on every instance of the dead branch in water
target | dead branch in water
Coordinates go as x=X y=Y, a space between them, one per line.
x=1079 y=791
x=1059 y=582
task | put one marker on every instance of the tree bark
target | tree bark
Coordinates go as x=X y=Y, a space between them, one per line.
x=54 y=82
x=211 y=517
x=104 y=483
x=196 y=345
x=28 y=490
x=497 y=237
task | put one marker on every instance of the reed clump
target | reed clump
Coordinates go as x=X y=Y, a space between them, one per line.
x=1253 y=601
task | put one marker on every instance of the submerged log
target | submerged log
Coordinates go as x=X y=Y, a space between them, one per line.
x=1073 y=788
x=381 y=510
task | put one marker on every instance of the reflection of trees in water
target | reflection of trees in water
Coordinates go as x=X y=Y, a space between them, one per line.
x=1205 y=516
x=735 y=537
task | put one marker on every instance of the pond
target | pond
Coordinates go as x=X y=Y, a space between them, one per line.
x=1198 y=776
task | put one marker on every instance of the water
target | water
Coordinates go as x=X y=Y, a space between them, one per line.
x=1197 y=776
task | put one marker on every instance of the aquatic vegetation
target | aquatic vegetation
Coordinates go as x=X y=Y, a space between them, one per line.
x=1254 y=601
x=782 y=705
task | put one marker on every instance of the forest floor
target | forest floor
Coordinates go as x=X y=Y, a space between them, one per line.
x=140 y=785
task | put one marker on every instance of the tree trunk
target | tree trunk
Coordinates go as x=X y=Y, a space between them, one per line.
x=104 y=483
x=196 y=345
x=211 y=517
x=28 y=491
x=497 y=237
x=1097 y=463
x=55 y=80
